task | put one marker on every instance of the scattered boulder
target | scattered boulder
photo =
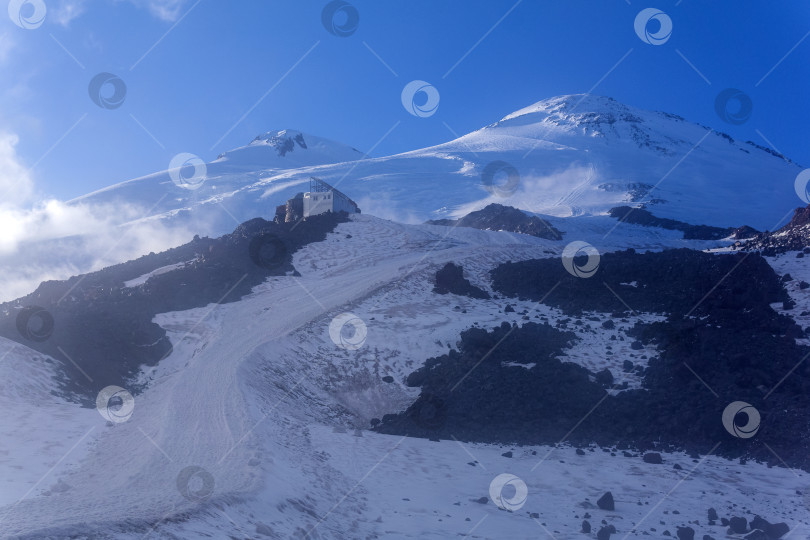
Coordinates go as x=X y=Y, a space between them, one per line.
x=738 y=525
x=606 y=502
x=605 y=532
x=777 y=530
x=759 y=523
x=388 y=379
x=627 y=366
x=653 y=457
x=580 y=452
x=686 y=533
x=482 y=500
x=586 y=527
x=608 y=325
x=774 y=531
x=507 y=454
x=713 y=515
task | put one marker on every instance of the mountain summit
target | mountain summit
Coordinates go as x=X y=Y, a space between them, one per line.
x=287 y=149
x=575 y=156
x=583 y=154
x=567 y=156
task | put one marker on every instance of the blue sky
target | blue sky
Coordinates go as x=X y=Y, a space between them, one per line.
x=193 y=69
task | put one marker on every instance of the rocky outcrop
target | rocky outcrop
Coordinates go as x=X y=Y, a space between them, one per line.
x=497 y=217
x=732 y=337
x=640 y=216
x=109 y=326
x=450 y=279
x=795 y=236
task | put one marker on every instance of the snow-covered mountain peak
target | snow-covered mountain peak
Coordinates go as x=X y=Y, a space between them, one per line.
x=571 y=107
x=599 y=116
x=285 y=140
x=568 y=156
x=288 y=148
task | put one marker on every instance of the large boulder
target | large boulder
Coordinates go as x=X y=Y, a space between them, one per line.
x=606 y=502
x=686 y=533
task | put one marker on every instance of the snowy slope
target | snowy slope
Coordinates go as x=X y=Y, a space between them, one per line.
x=257 y=394
x=575 y=155
x=40 y=432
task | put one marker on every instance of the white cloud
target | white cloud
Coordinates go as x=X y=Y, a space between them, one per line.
x=16 y=185
x=6 y=46
x=549 y=194
x=53 y=240
x=67 y=10
x=166 y=10
x=385 y=207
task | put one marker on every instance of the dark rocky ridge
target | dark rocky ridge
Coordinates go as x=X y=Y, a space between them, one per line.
x=641 y=216
x=497 y=217
x=107 y=329
x=741 y=348
x=795 y=236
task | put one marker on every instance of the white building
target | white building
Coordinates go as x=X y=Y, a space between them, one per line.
x=322 y=198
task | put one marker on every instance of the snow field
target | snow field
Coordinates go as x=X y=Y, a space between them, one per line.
x=258 y=395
